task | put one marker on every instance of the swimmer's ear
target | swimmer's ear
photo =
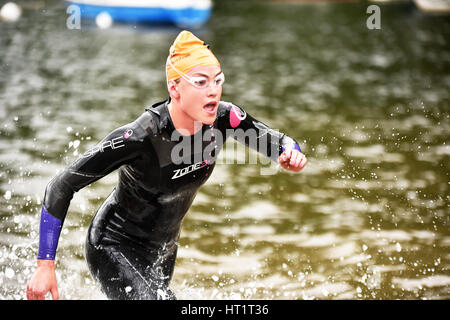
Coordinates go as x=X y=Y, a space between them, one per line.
x=173 y=89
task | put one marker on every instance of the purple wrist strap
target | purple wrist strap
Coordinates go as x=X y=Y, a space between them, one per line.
x=295 y=147
x=49 y=231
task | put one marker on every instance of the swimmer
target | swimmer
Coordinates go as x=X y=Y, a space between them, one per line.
x=131 y=244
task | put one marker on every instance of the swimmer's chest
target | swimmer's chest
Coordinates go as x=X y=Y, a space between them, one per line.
x=186 y=161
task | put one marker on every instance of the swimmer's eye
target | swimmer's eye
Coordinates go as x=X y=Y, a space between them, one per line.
x=200 y=81
x=203 y=82
x=220 y=79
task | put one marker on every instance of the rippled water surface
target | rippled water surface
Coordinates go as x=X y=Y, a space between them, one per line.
x=367 y=219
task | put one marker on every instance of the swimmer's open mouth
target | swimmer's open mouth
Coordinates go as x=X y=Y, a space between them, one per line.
x=210 y=108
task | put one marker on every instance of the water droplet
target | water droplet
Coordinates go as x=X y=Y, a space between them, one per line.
x=7 y=195
x=9 y=273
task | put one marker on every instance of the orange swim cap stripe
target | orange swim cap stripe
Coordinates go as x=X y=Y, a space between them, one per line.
x=187 y=52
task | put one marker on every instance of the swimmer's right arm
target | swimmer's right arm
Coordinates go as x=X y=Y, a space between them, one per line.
x=44 y=278
x=43 y=281
x=115 y=150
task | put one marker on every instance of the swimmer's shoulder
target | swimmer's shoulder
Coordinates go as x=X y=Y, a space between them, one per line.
x=225 y=114
x=224 y=108
x=147 y=124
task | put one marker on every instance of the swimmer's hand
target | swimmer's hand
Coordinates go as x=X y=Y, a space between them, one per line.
x=43 y=281
x=292 y=160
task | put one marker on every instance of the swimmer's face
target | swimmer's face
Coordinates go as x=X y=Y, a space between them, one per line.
x=201 y=104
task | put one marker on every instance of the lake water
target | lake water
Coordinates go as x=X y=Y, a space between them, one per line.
x=368 y=218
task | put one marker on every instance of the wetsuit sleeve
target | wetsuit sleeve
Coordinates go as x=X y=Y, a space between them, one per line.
x=119 y=147
x=253 y=133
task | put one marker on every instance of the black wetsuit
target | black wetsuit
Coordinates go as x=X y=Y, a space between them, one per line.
x=132 y=241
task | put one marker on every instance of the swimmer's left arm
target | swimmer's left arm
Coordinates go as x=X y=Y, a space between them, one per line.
x=276 y=145
x=292 y=159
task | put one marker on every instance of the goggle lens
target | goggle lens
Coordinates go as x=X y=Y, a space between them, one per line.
x=198 y=82
x=203 y=82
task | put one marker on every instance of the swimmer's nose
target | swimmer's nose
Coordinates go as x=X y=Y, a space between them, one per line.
x=213 y=91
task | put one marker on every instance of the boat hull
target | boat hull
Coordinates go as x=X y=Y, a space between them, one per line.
x=182 y=15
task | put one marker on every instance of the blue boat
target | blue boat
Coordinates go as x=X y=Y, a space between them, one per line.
x=185 y=13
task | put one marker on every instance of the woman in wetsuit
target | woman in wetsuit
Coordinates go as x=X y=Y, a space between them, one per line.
x=163 y=157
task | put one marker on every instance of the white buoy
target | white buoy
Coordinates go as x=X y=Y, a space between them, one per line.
x=10 y=12
x=104 y=20
x=433 y=6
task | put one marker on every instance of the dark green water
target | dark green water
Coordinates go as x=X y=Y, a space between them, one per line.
x=367 y=219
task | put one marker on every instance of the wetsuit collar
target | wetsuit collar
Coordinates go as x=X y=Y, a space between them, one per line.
x=162 y=110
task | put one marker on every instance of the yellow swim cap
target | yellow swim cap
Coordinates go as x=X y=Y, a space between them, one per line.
x=187 y=52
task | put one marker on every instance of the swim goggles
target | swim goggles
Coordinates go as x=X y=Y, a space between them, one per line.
x=199 y=82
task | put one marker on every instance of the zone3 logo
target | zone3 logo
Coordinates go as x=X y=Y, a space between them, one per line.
x=186 y=170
